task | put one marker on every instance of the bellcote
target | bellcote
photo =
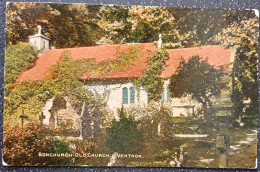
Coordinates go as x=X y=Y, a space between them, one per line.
x=39 y=40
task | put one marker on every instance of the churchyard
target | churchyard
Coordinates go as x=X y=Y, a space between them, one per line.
x=130 y=86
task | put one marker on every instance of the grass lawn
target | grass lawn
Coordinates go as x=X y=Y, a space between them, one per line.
x=203 y=153
x=245 y=157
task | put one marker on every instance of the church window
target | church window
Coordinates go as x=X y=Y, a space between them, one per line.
x=132 y=95
x=162 y=97
x=169 y=98
x=125 y=95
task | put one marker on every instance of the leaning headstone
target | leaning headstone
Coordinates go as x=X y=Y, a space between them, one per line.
x=181 y=155
x=96 y=120
x=114 y=161
x=86 y=129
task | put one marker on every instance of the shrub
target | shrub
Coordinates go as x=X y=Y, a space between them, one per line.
x=124 y=135
x=18 y=58
x=23 y=145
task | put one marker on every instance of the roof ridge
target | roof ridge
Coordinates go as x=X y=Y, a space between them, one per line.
x=204 y=46
x=105 y=45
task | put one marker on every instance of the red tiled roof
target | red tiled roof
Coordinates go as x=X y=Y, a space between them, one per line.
x=217 y=55
x=99 y=53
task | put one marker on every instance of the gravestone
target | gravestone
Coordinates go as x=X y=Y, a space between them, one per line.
x=223 y=144
x=114 y=161
x=96 y=120
x=86 y=129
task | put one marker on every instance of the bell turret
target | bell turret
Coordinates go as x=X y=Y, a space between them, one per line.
x=39 y=40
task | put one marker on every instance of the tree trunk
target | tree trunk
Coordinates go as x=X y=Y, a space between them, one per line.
x=210 y=110
x=207 y=106
x=204 y=105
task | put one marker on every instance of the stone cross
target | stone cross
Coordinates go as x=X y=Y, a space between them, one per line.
x=23 y=117
x=160 y=41
x=39 y=29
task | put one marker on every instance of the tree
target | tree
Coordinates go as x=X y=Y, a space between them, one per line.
x=18 y=57
x=124 y=136
x=66 y=25
x=124 y=24
x=197 y=78
x=22 y=20
x=197 y=27
x=243 y=38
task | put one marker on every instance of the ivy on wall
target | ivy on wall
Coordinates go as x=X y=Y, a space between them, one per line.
x=125 y=59
x=151 y=80
x=61 y=80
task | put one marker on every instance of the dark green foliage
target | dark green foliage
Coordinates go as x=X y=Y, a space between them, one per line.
x=197 y=27
x=124 y=135
x=17 y=59
x=243 y=38
x=151 y=80
x=160 y=147
x=199 y=79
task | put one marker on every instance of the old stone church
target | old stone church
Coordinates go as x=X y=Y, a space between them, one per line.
x=119 y=90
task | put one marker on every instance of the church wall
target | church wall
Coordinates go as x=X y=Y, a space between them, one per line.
x=113 y=95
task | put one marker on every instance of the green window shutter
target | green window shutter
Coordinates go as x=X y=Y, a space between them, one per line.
x=132 y=95
x=125 y=95
x=169 y=98
x=162 y=97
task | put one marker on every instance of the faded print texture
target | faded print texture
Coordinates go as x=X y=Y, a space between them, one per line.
x=130 y=86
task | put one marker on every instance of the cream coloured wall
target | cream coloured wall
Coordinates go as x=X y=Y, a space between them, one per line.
x=39 y=42
x=112 y=94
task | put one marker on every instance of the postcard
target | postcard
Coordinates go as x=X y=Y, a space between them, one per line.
x=143 y=86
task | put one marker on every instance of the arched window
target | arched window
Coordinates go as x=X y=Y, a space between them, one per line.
x=125 y=95
x=169 y=98
x=132 y=95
